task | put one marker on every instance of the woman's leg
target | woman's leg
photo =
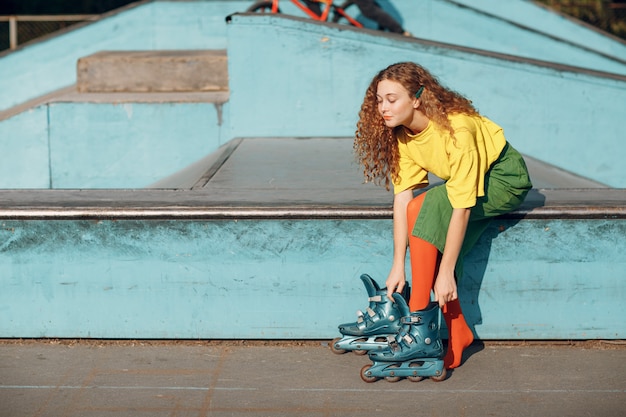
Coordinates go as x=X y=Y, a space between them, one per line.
x=460 y=336
x=424 y=263
x=373 y=11
x=424 y=260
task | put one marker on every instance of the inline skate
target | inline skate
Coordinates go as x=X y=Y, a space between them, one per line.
x=415 y=352
x=370 y=331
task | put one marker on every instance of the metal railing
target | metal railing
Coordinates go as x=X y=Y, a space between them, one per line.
x=18 y=29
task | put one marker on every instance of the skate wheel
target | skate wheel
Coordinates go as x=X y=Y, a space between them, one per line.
x=334 y=348
x=392 y=377
x=415 y=378
x=366 y=375
x=360 y=352
x=440 y=377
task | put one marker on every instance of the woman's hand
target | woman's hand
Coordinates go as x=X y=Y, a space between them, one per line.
x=397 y=278
x=445 y=288
x=395 y=281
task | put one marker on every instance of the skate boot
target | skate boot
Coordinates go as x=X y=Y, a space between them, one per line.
x=370 y=331
x=415 y=352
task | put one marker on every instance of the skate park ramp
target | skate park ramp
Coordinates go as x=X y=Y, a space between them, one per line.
x=155 y=216
x=45 y=109
x=283 y=238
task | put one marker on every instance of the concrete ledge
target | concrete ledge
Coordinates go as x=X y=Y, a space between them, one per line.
x=153 y=71
x=258 y=278
x=155 y=264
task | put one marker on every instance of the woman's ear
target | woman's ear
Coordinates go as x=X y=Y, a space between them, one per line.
x=418 y=94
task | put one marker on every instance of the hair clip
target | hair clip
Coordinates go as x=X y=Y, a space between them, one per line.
x=419 y=92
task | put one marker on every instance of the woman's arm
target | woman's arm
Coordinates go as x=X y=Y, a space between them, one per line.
x=445 y=284
x=397 y=277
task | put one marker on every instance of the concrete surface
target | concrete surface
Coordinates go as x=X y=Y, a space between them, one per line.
x=153 y=71
x=247 y=378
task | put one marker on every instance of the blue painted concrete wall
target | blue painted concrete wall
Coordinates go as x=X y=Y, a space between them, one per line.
x=531 y=17
x=445 y=21
x=244 y=279
x=25 y=150
x=129 y=145
x=317 y=76
x=100 y=145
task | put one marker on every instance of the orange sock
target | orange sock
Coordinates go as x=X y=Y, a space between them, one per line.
x=424 y=259
x=460 y=336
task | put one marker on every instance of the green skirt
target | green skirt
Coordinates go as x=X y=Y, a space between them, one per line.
x=506 y=184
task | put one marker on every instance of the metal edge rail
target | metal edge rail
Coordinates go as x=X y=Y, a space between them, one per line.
x=611 y=212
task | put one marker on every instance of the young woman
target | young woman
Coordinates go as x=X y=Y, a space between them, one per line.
x=410 y=125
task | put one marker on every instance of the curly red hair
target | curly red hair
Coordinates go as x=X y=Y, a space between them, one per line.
x=375 y=144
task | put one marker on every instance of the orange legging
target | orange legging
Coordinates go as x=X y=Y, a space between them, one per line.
x=425 y=259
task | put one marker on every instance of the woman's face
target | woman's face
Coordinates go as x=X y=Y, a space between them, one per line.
x=395 y=104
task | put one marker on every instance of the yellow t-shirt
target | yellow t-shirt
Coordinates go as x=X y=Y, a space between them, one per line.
x=461 y=162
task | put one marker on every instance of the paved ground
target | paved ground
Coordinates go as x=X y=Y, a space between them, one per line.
x=251 y=379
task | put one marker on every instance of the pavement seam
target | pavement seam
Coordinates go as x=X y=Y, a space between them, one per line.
x=214 y=377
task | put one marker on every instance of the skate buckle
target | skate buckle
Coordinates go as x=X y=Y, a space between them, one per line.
x=360 y=317
x=411 y=320
x=376 y=299
x=393 y=345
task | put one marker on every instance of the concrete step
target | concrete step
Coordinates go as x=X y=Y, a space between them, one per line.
x=153 y=71
x=285 y=227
